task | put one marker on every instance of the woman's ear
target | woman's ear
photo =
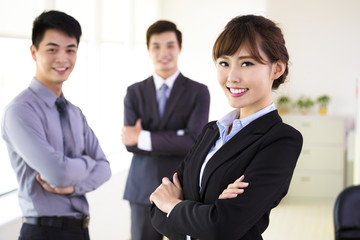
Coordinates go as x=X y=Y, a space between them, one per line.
x=278 y=69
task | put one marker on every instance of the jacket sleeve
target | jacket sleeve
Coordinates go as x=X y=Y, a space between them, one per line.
x=268 y=174
x=131 y=115
x=158 y=218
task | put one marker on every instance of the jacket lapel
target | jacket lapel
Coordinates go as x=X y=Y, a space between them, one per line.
x=207 y=141
x=238 y=143
x=150 y=96
x=176 y=93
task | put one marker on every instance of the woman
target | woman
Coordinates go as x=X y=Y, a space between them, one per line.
x=252 y=141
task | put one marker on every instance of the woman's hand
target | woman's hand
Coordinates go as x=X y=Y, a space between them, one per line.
x=234 y=189
x=168 y=194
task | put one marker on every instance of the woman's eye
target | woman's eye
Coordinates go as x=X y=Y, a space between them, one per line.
x=223 y=64
x=246 y=64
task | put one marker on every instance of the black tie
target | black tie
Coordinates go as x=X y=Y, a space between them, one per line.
x=68 y=139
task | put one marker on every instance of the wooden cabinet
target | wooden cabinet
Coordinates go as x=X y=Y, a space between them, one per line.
x=320 y=169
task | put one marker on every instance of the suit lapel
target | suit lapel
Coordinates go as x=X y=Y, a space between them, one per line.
x=150 y=95
x=176 y=93
x=203 y=148
x=238 y=143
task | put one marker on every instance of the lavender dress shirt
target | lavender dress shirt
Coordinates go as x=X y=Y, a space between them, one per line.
x=32 y=131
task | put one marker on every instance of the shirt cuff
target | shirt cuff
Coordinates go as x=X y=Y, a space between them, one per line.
x=168 y=214
x=144 y=141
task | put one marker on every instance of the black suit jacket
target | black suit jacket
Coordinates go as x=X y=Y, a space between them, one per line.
x=265 y=151
x=187 y=109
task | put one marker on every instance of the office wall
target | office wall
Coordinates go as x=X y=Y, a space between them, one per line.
x=200 y=22
x=323 y=41
x=322 y=38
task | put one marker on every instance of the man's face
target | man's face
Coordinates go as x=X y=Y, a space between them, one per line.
x=164 y=51
x=55 y=58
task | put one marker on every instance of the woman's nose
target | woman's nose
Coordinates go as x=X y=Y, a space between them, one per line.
x=233 y=75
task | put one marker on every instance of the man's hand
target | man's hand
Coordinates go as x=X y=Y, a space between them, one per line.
x=47 y=187
x=234 y=189
x=168 y=194
x=130 y=134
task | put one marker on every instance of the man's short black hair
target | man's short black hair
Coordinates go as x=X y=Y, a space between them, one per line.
x=160 y=27
x=55 y=20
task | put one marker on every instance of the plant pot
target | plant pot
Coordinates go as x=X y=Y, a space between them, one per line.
x=283 y=110
x=323 y=111
x=304 y=110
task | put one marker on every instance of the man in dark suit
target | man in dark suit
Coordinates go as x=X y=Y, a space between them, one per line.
x=164 y=114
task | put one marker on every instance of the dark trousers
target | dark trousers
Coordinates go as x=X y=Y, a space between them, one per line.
x=36 y=232
x=141 y=227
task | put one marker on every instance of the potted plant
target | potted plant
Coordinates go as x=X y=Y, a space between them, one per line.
x=323 y=102
x=283 y=104
x=304 y=104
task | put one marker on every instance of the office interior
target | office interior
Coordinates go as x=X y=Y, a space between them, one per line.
x=322 y=38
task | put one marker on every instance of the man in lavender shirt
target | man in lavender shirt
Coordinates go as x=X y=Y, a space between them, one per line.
x=52 y=181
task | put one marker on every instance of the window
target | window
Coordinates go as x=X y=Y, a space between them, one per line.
x=17 y=70
x=109 y=58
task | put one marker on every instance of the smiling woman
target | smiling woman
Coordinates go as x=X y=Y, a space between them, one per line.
x=208 y=193
x=246 y=82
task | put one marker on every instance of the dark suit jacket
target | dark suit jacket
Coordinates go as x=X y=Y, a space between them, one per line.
x=265 y=151
x=187 y=108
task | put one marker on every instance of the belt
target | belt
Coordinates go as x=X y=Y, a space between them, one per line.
x=58 y=222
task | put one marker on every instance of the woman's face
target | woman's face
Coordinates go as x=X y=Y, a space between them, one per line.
x=246 y=82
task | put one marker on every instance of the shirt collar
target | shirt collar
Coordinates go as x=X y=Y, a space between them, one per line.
x=159 y=81
x=233 y=117
x=262 y=112
x=43 y=92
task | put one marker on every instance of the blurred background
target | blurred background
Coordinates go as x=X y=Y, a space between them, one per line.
x=323 y=40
